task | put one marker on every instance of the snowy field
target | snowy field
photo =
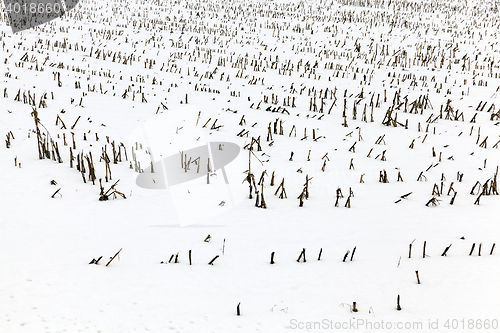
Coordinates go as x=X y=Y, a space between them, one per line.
x=379 y=119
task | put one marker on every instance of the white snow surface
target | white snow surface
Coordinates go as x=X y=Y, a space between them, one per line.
x=47 y=283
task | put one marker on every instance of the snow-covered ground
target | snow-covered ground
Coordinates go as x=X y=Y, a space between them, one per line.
x=157 y=78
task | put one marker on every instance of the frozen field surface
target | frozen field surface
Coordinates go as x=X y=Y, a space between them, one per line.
x=366 y=133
